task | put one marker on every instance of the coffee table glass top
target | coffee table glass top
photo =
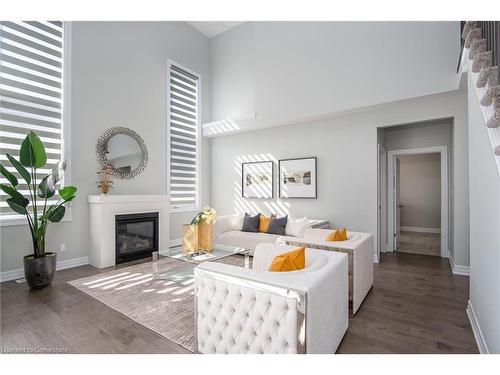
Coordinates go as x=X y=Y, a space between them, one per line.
x=184 y=272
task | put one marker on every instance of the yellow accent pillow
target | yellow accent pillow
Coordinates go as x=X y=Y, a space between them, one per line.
x=343 y=234
x=333 y=236
x=291 y=261
x=337 y=235
x=264 y=223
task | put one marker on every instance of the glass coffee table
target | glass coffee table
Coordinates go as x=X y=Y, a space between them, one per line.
x=165 y=269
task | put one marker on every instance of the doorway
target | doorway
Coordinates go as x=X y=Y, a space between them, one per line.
x=418 y=200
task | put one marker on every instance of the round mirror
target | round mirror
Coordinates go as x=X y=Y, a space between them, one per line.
x=122 y=151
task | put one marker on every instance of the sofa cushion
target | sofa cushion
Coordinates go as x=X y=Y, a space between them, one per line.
x=250 y=223
x=248 y=240
x=296 y=227
x=277 y=225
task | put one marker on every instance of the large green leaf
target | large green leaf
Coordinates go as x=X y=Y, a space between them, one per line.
x=69 y=199
x=47 y=187
x=32 y=153
x=18 y=205
x=9 y=176
x=13 y=193
x=22 y=171
x=67 y=193
x=56 y=214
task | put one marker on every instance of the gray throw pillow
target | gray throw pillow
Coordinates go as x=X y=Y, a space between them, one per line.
x=277 y=226
x=250 y=223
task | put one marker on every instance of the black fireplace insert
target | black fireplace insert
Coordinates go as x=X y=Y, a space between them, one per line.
x=136 y=236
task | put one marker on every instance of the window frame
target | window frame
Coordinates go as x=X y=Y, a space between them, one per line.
x=197 y=205
x=65 y=126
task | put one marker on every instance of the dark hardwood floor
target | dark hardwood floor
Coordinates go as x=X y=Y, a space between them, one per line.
x=415 y=306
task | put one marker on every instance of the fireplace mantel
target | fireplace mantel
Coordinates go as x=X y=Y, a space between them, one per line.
x=102 y=212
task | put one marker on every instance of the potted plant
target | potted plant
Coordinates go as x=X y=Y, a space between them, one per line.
x=39 y=267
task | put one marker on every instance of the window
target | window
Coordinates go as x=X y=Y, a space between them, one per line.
x=31 y=95
x=183 y=138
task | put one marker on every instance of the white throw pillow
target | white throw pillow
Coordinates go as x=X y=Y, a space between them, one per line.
x=238 y=221
x=296 y=227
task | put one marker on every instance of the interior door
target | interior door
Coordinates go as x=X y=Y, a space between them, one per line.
x=397 y=202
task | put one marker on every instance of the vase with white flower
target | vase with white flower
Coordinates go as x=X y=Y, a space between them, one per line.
x=204 y=221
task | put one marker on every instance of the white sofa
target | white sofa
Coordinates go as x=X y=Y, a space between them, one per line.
x=241 y=310
x=227 y=231
x=358 y=246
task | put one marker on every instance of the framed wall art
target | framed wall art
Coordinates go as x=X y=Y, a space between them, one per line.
x=257 y=179
x=298 y=178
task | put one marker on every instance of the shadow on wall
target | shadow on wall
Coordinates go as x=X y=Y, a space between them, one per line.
x=255 y=205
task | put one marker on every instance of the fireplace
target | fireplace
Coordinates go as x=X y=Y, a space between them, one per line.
x=136 y=236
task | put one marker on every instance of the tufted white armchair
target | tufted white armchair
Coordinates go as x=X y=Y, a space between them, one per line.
x=239 y=310
x=358 y=246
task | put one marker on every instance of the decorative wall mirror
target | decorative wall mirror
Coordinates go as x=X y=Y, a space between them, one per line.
x=122 y=152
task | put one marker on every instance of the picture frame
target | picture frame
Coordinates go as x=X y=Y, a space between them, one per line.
x=298 y=178
x=257 y=179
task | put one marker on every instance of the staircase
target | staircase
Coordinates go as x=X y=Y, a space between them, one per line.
x=481 y=51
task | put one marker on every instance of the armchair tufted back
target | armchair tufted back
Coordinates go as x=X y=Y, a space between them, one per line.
x=237 y=319
x=242 y=310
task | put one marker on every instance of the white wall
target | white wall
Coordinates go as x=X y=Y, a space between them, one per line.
x=232 y=68
x=425 y=134
x=295 y=71
x=119 y=79
x=484 y=227
x=420 y=190
x=346 y=147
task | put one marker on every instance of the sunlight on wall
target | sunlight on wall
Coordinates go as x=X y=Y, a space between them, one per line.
x=218 y=127
x=254 y=205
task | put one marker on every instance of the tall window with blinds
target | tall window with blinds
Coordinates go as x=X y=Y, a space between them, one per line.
x=183 y=137
x=31 y=94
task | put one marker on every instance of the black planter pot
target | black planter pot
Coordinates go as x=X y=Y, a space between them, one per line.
x=39 y=272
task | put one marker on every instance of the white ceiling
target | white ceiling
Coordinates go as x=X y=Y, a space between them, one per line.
x=213 y=28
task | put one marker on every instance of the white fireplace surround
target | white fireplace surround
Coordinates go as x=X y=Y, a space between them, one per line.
x=102 y=212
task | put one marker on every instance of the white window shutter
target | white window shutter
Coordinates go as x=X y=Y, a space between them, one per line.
x=31 y=94
x=183 y=130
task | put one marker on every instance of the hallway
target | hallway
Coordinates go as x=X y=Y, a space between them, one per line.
x=420 y=243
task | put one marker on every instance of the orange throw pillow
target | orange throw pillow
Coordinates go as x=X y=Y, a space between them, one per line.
x=264 y=223
x=343 y=234
x=291 y=261
x=333 y=236
x=337 y=235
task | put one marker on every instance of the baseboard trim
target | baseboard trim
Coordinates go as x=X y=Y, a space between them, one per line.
x=476 y=329
x=174 y=243
x=421 y=230
x=457 y=269
x=64 y=264
x=375 y=258
x=61 y=265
